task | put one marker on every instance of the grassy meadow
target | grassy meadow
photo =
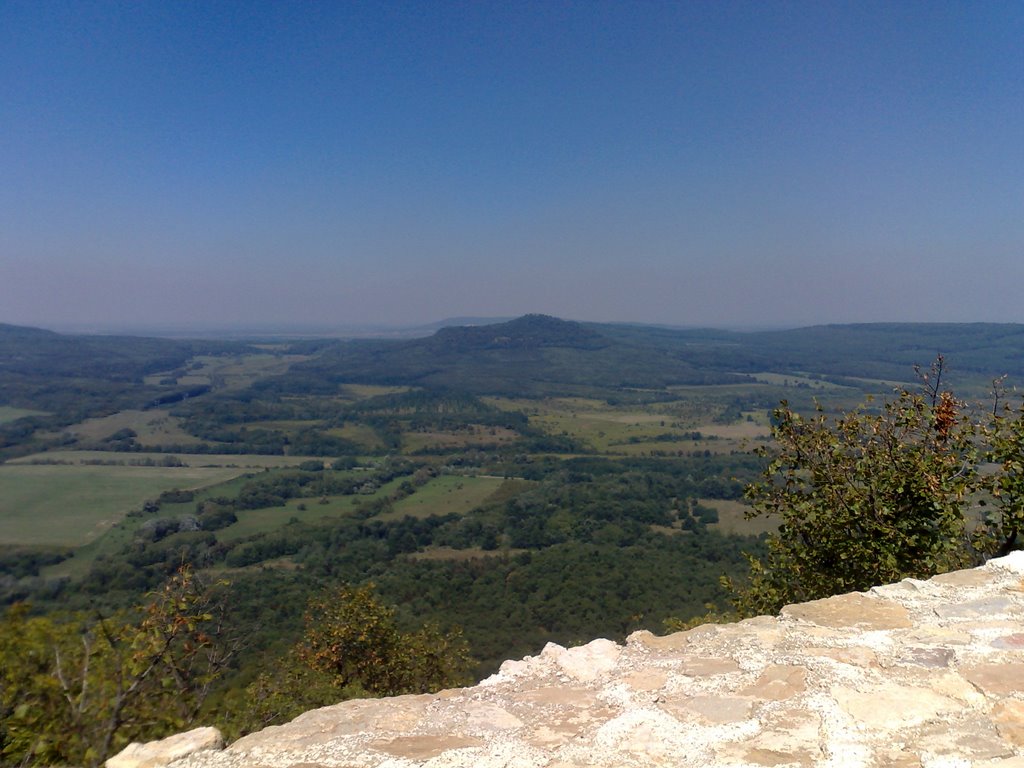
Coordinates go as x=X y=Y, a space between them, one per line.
x=449 y=494
x=69 y=505
x=231 y=372
x=9 y=413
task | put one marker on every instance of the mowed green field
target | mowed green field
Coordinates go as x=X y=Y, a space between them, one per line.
x=238 y=461
x=10 y=413
x=445 y=495
x=306 y=510
x=71 y=505
x=151 y=428
x=732 y=518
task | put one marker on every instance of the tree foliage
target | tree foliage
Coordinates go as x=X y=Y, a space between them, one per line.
x=75 y=689
x=354 y=647
x=869 y=498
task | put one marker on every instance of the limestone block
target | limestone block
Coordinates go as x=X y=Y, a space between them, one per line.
x=396 y=714
x=484 y=716
x=705 y=667
x=646 y=680
x=996 y=680
x=1013 y=562
x=585 y=662
x=978 y=577
x=790 y=737
x=1009 y=719
x=423 y=747
x=159 y=753
x=888 y=706
x=986 y=607
x=716 y=710
x=777 y=682
x=852 y=611
x=973 y=738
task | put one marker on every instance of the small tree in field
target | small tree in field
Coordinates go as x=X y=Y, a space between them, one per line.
x=865 y=499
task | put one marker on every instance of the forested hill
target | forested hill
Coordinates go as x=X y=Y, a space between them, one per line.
x=540 y=355
x=531 y=356
x=75 y=376
x=537 y=355
x=974 y=351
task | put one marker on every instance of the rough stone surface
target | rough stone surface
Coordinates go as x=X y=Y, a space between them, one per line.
x=920 y=674
x=158 y=753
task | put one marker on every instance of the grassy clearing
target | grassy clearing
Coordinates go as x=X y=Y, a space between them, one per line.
x=679 y=448
x=228 y=371
x=151 y=427
x=362 y=435
x=10 y=413
x=472 y=436
x=793 y=380
x=732 y=518
x=740 y=430
x=307 y=510
x=73 y=505
x=604 y=427
x=239 y=461
x=365 y=391
x=253 y=521
x=285 y=425
x=445 y=495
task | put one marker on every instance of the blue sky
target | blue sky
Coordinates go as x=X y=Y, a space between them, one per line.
x=722 y=164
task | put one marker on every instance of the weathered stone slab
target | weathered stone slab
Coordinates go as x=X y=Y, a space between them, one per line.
x=988 y=608
x=903 y=676
x=1008 y=716
x=776 y=683
x=702 y=667
x=971 y=738
x=933 y=658
x=646 y=680
x=996 y=679
x=584 y=662
x=1013 y=562
x=978 y=577
x=710 y=709
x=853 y=611
x=485 y=716
x=889 y=706
x=854 y=656
x=789 y=737
x=159 y=753
x=674 y=642
x=423 y=747
x=1011 y=642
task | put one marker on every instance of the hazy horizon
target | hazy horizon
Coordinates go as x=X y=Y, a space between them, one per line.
x=728 y=165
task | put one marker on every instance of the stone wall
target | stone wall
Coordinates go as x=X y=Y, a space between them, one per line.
x=920 y=673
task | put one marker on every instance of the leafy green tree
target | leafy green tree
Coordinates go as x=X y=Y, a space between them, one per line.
x=353 y=647
x=1004 y=448
x=868 y=498
x=73 y=689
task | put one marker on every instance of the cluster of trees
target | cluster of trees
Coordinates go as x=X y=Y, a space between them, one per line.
x=920 y=486
x=75 y=689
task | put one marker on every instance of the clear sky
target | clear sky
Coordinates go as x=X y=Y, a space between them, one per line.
x=704 y=163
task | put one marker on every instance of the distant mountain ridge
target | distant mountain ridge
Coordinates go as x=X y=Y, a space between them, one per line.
x=526 y=332
x=537 y=355
x=534 y=355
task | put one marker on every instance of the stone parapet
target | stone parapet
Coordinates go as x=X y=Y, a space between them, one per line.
x=925 y=674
